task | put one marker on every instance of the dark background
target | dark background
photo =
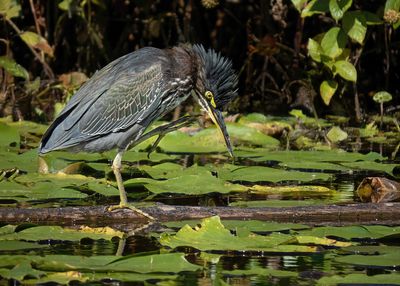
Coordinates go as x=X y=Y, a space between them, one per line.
x=266 y=40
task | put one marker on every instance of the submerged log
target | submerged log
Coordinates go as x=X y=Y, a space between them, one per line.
x=366 y=213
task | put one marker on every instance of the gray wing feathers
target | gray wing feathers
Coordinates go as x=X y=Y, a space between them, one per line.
x=122 y=104
x=120 y=95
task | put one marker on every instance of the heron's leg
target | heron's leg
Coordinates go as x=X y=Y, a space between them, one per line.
x=162 y=130
x=116 y=167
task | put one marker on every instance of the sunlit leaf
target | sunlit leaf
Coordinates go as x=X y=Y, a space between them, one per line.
x=346 y=70
x=314 y=50
x=299 y=4
x=327 y=90
x=336 y=134
x=382 y=97
x=355 y=25
x=39 y=233
x=278 y=203
x=334 y=42
x=315 y=7
x=36 y=41
x=321 y=241
x=12 y=67
x=338 y=7
x=9 y=8
x=212 y=235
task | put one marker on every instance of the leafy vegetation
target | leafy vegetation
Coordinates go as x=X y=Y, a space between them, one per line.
x=334 y=59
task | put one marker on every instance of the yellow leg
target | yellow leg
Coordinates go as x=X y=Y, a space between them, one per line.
x=116 y=167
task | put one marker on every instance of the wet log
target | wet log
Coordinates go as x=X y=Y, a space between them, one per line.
x=363 y=213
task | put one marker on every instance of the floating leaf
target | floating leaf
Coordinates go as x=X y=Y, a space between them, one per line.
x=292 y=190
x=260 y=271
x=278 y=203
x=9 y=137
x=196 y=184
x=11 y=245
x=350 y=232
x=212 y=235
x=387 y=259
x=39 y=233
x=360 y=279
x=266 y=174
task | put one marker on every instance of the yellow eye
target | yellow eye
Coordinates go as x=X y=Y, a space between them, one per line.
x=209 y=95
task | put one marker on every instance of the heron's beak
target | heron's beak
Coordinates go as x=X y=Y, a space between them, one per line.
x=218 y=119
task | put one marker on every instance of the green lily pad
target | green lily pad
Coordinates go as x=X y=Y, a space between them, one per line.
x=9 y=137
x=351 y=232
x=250 y=225
x=310 y=165
x=39 y=233
x=375 y=166
x=313 y=156
x=266 y=174
x=11 y=245
x=260 y=271
x=196 y=184
x=107 y=265
x=11 y=190
x=27 y=161
x=277 y=203
x=360 y=279
x=212 y=235
x=386 y=259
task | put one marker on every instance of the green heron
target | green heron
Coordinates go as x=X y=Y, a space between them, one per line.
x=113 y=108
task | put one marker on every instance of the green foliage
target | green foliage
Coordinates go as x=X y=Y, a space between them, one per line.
x=329 y=47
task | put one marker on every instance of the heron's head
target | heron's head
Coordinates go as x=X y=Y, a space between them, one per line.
x=216 y=85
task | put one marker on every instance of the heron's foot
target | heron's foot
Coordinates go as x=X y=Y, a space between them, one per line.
x=128 y=206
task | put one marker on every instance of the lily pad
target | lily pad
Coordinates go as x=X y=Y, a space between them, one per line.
x=277 y=203
x=351 y=232
x=360 y=279
x=386 y=259
x=40 y=233
x=197 y=184
x=212 y=235
x=266 y=174
x=9 y=137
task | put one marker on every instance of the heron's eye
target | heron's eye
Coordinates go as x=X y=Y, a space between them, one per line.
x=210 y=97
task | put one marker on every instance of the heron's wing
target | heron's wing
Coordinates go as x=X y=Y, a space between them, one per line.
x=117 y=97
x=125 y=103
